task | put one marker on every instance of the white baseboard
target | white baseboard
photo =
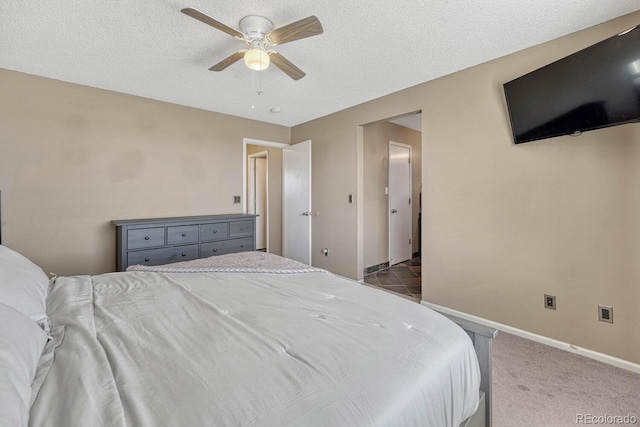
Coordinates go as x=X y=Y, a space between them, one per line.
x=601 y=357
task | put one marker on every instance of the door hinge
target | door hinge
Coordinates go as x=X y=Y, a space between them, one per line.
x=409 y=200
x=409 y=242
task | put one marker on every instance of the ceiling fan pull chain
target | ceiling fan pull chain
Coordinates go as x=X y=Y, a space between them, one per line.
x=260 y=84
x=253 y=87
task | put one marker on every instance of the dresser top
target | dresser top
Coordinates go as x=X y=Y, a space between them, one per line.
x=182 y=219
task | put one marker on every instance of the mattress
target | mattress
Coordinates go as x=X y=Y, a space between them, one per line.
x=250 y=348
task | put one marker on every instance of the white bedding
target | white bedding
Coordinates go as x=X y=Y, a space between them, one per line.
x=241 y=349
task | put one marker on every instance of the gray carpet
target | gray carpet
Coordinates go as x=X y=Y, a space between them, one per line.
x=537 y=385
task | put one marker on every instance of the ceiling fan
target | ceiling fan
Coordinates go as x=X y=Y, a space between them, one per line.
x=258 y=33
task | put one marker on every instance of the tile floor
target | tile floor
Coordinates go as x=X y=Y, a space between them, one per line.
x=403 y=278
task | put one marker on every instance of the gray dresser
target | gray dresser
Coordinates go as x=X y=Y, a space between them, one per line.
x=165 y=240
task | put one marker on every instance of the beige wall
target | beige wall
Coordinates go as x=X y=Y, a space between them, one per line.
x=376 y=178
x=274 y=179
x=504 y=224
x=73 y=158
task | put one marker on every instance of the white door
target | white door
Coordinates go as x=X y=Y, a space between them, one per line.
x=296 y=199
x=399 y=202
x=258 y=197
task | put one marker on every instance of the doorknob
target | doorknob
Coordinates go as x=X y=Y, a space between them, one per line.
x=394 y=210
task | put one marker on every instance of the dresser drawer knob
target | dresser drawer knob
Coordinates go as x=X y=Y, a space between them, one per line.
x=146 y=260
x=184 y=234
x=184 y=254
x=215 y=250
x=241 y=228
x=215 y=231
x=242 y=246
x=146 y=237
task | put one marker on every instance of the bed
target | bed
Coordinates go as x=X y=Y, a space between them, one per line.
x=234 y=340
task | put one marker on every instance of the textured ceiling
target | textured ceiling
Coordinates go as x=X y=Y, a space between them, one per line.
x=368 y=48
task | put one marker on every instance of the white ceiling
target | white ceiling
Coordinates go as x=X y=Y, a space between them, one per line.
x=369 y=48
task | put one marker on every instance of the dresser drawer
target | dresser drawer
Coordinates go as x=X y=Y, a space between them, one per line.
x=214 y=231
x=145 y=238
x=182 y=235
x=163 y=255
x=240 y=228
x=226 y=247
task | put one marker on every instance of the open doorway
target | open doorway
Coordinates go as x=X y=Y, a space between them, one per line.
x=282 y=232
x=271 y=153
x=258 y=196
x=385 y=143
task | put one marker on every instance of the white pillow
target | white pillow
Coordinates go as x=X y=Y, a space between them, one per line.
x=21 y=344
x=23 y=286
x=56 y=336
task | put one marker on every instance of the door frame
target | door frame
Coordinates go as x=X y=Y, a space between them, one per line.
x=262 y=143
x=360 y=149
x=399 y=144
x=252 y=141
x=251 y=158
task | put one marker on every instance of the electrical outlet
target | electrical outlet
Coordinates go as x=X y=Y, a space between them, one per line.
x=236 y=199
x=605 y=313
x=550 y=301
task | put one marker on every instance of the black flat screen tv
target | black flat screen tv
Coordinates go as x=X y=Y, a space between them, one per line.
x=594 y=88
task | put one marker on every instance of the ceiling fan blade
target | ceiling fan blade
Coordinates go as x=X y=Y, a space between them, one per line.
x=301 y=29
x=285 y=65
x=231 y=59
x=210 y=21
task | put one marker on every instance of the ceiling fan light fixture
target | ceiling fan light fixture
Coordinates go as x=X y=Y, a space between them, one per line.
x=257 y=59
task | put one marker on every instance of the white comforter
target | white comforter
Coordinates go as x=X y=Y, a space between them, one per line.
x=244 y=349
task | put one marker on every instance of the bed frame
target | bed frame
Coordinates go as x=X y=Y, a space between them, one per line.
x=482 y=338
